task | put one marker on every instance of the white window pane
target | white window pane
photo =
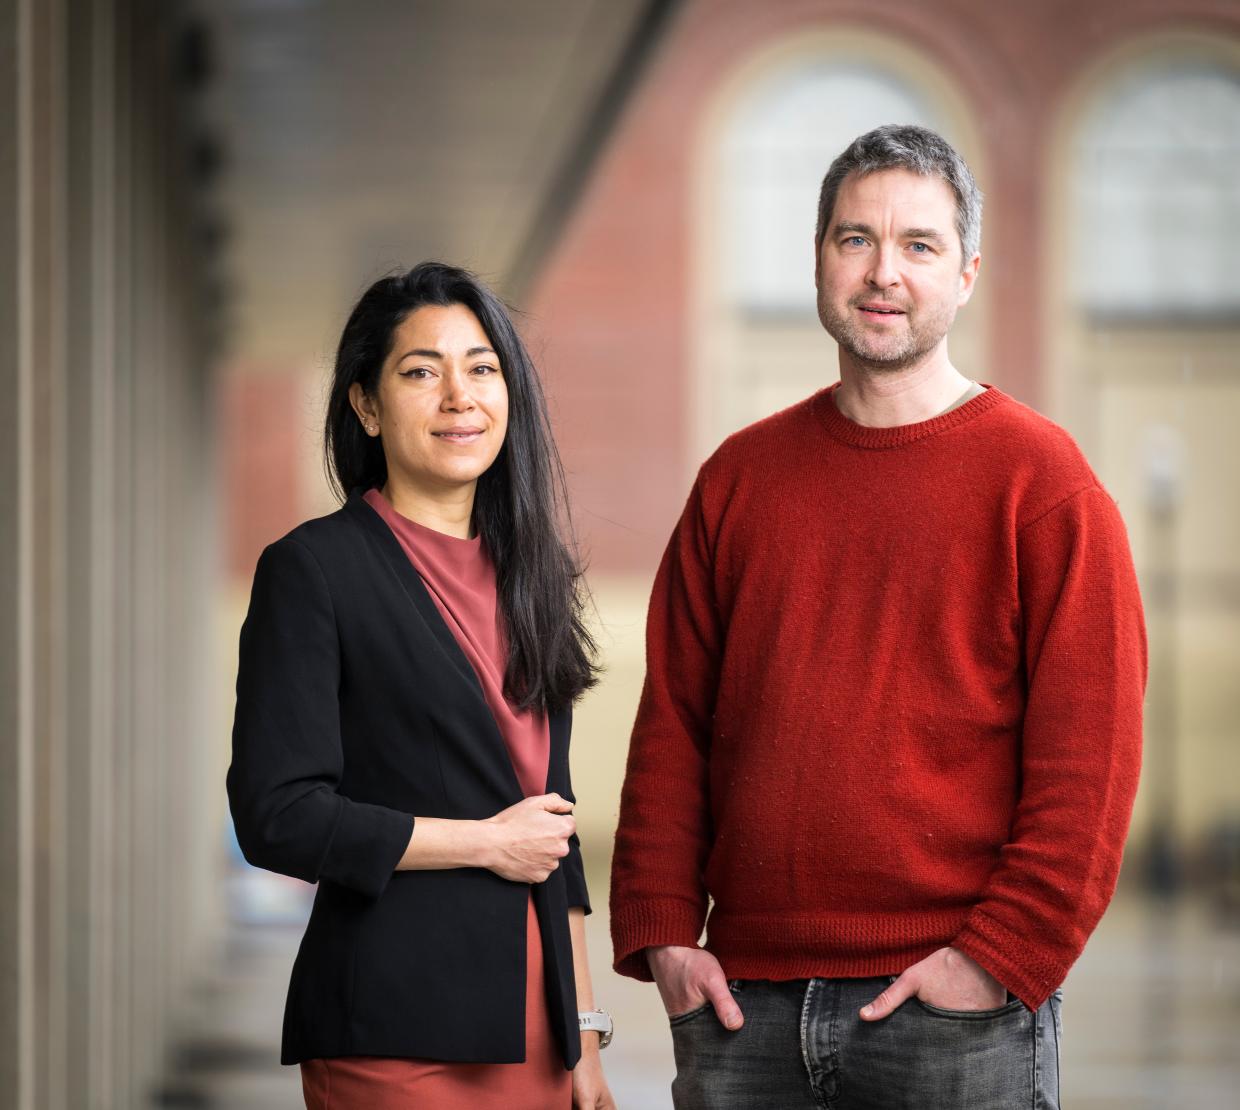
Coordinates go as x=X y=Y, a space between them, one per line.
x=1158 y=193
x=772 y=162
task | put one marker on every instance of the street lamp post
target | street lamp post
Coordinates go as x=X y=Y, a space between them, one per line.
x=1164 y=479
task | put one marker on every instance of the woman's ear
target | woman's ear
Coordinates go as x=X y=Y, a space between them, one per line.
x=365 y=407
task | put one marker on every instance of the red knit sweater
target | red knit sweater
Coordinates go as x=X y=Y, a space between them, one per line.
x=892 y=702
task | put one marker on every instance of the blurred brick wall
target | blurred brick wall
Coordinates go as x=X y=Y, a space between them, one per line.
x=259 y=410
x=610 y=319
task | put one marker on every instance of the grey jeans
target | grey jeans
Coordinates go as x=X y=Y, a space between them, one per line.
x=803 y=1047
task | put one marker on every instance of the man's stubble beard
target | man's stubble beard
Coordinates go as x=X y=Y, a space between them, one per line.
x=917 y=342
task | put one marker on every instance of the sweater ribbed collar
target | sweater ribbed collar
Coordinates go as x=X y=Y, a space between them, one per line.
x=858 y=435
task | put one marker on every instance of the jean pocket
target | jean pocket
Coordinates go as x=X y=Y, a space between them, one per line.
x=1011 y=1007
x=688 y=1015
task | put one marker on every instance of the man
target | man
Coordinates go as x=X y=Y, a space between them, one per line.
x=892 y=712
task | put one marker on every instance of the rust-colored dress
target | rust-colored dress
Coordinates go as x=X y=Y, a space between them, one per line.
x=460 y=578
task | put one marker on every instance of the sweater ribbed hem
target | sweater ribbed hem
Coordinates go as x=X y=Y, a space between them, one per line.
x=781 y=946
x=826 y=945
x=858 y=435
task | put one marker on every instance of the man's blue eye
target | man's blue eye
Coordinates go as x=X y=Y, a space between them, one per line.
x=855 y=241
x=919 y=248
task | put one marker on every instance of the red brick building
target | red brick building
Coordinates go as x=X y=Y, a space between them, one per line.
x=627 y=316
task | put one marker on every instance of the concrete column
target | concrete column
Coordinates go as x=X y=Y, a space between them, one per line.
x=107 y=851
x=15 y=1027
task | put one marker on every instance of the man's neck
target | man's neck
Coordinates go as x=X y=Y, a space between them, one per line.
x=893 y=398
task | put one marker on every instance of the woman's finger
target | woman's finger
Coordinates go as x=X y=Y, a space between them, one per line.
x=555 y=804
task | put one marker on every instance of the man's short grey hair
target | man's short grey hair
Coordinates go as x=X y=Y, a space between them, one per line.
x=898 y=146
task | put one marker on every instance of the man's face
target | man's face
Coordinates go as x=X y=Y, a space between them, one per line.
x=889 y=272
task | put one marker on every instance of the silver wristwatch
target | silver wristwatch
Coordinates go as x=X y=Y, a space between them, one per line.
x=600 y=1021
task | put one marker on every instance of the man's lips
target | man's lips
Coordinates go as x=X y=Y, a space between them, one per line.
x=880 y=310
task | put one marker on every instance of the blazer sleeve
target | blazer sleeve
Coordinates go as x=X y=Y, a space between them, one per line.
x=571 y=865
x=287 y=757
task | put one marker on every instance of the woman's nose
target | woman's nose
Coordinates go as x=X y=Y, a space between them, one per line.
x=456 y=395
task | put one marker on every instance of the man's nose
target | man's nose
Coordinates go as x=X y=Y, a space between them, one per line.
x=884 y=272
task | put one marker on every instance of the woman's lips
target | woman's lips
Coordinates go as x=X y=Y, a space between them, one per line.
x=459 y=435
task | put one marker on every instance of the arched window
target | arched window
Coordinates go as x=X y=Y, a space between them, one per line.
x=1157 y=185
x=781 y=121
x=1142 y=352
x=773 y=155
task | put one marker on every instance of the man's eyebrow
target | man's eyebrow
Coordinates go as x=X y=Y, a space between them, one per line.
x=848 y=227
x=852 y=228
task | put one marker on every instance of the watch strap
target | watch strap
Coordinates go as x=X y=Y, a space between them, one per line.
x=598 y=1021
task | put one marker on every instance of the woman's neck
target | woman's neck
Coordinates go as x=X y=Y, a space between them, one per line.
x=450 y=512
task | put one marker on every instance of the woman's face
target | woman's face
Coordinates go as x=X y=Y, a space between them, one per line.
x=441 y=405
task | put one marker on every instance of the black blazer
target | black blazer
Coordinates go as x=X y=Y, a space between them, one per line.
x=357 y=709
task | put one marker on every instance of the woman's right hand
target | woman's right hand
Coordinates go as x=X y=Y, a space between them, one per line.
x=530 y=838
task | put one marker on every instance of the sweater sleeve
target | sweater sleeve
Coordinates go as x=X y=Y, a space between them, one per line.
x=1085 y=670
x=287 y=757
x=658 y=894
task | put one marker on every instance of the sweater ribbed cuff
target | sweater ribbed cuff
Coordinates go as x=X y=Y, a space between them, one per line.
x=641 y=925
x=1019 y=965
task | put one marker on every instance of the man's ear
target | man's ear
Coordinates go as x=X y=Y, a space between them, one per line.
x=968 y=279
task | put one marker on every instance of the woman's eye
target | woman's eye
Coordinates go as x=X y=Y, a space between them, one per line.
x=485 y=369
x=414 y=372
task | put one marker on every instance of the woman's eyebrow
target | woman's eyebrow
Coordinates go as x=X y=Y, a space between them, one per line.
x=427 y=352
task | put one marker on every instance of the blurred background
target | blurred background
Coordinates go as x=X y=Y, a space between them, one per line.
x=195 y=193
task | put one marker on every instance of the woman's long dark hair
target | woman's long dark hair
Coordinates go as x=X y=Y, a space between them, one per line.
x=520 y=508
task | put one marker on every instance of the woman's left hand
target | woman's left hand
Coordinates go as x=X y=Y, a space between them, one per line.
x=589 y=1086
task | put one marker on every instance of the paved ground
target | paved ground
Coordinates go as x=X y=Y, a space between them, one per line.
x=1151 y=1019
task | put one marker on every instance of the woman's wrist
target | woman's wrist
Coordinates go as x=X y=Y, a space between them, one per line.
x=590 y=1040
x=483 y=841
x=439 y=843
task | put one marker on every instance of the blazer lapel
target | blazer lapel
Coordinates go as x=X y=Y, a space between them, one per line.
x=419 y=597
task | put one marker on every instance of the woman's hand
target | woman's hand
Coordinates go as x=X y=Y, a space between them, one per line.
x=528 y=840
x=589 y=1086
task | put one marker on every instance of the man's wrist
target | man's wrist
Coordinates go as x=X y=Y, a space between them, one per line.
x=658 y=950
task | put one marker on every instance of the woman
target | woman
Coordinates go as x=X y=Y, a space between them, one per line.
x=407 y=671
